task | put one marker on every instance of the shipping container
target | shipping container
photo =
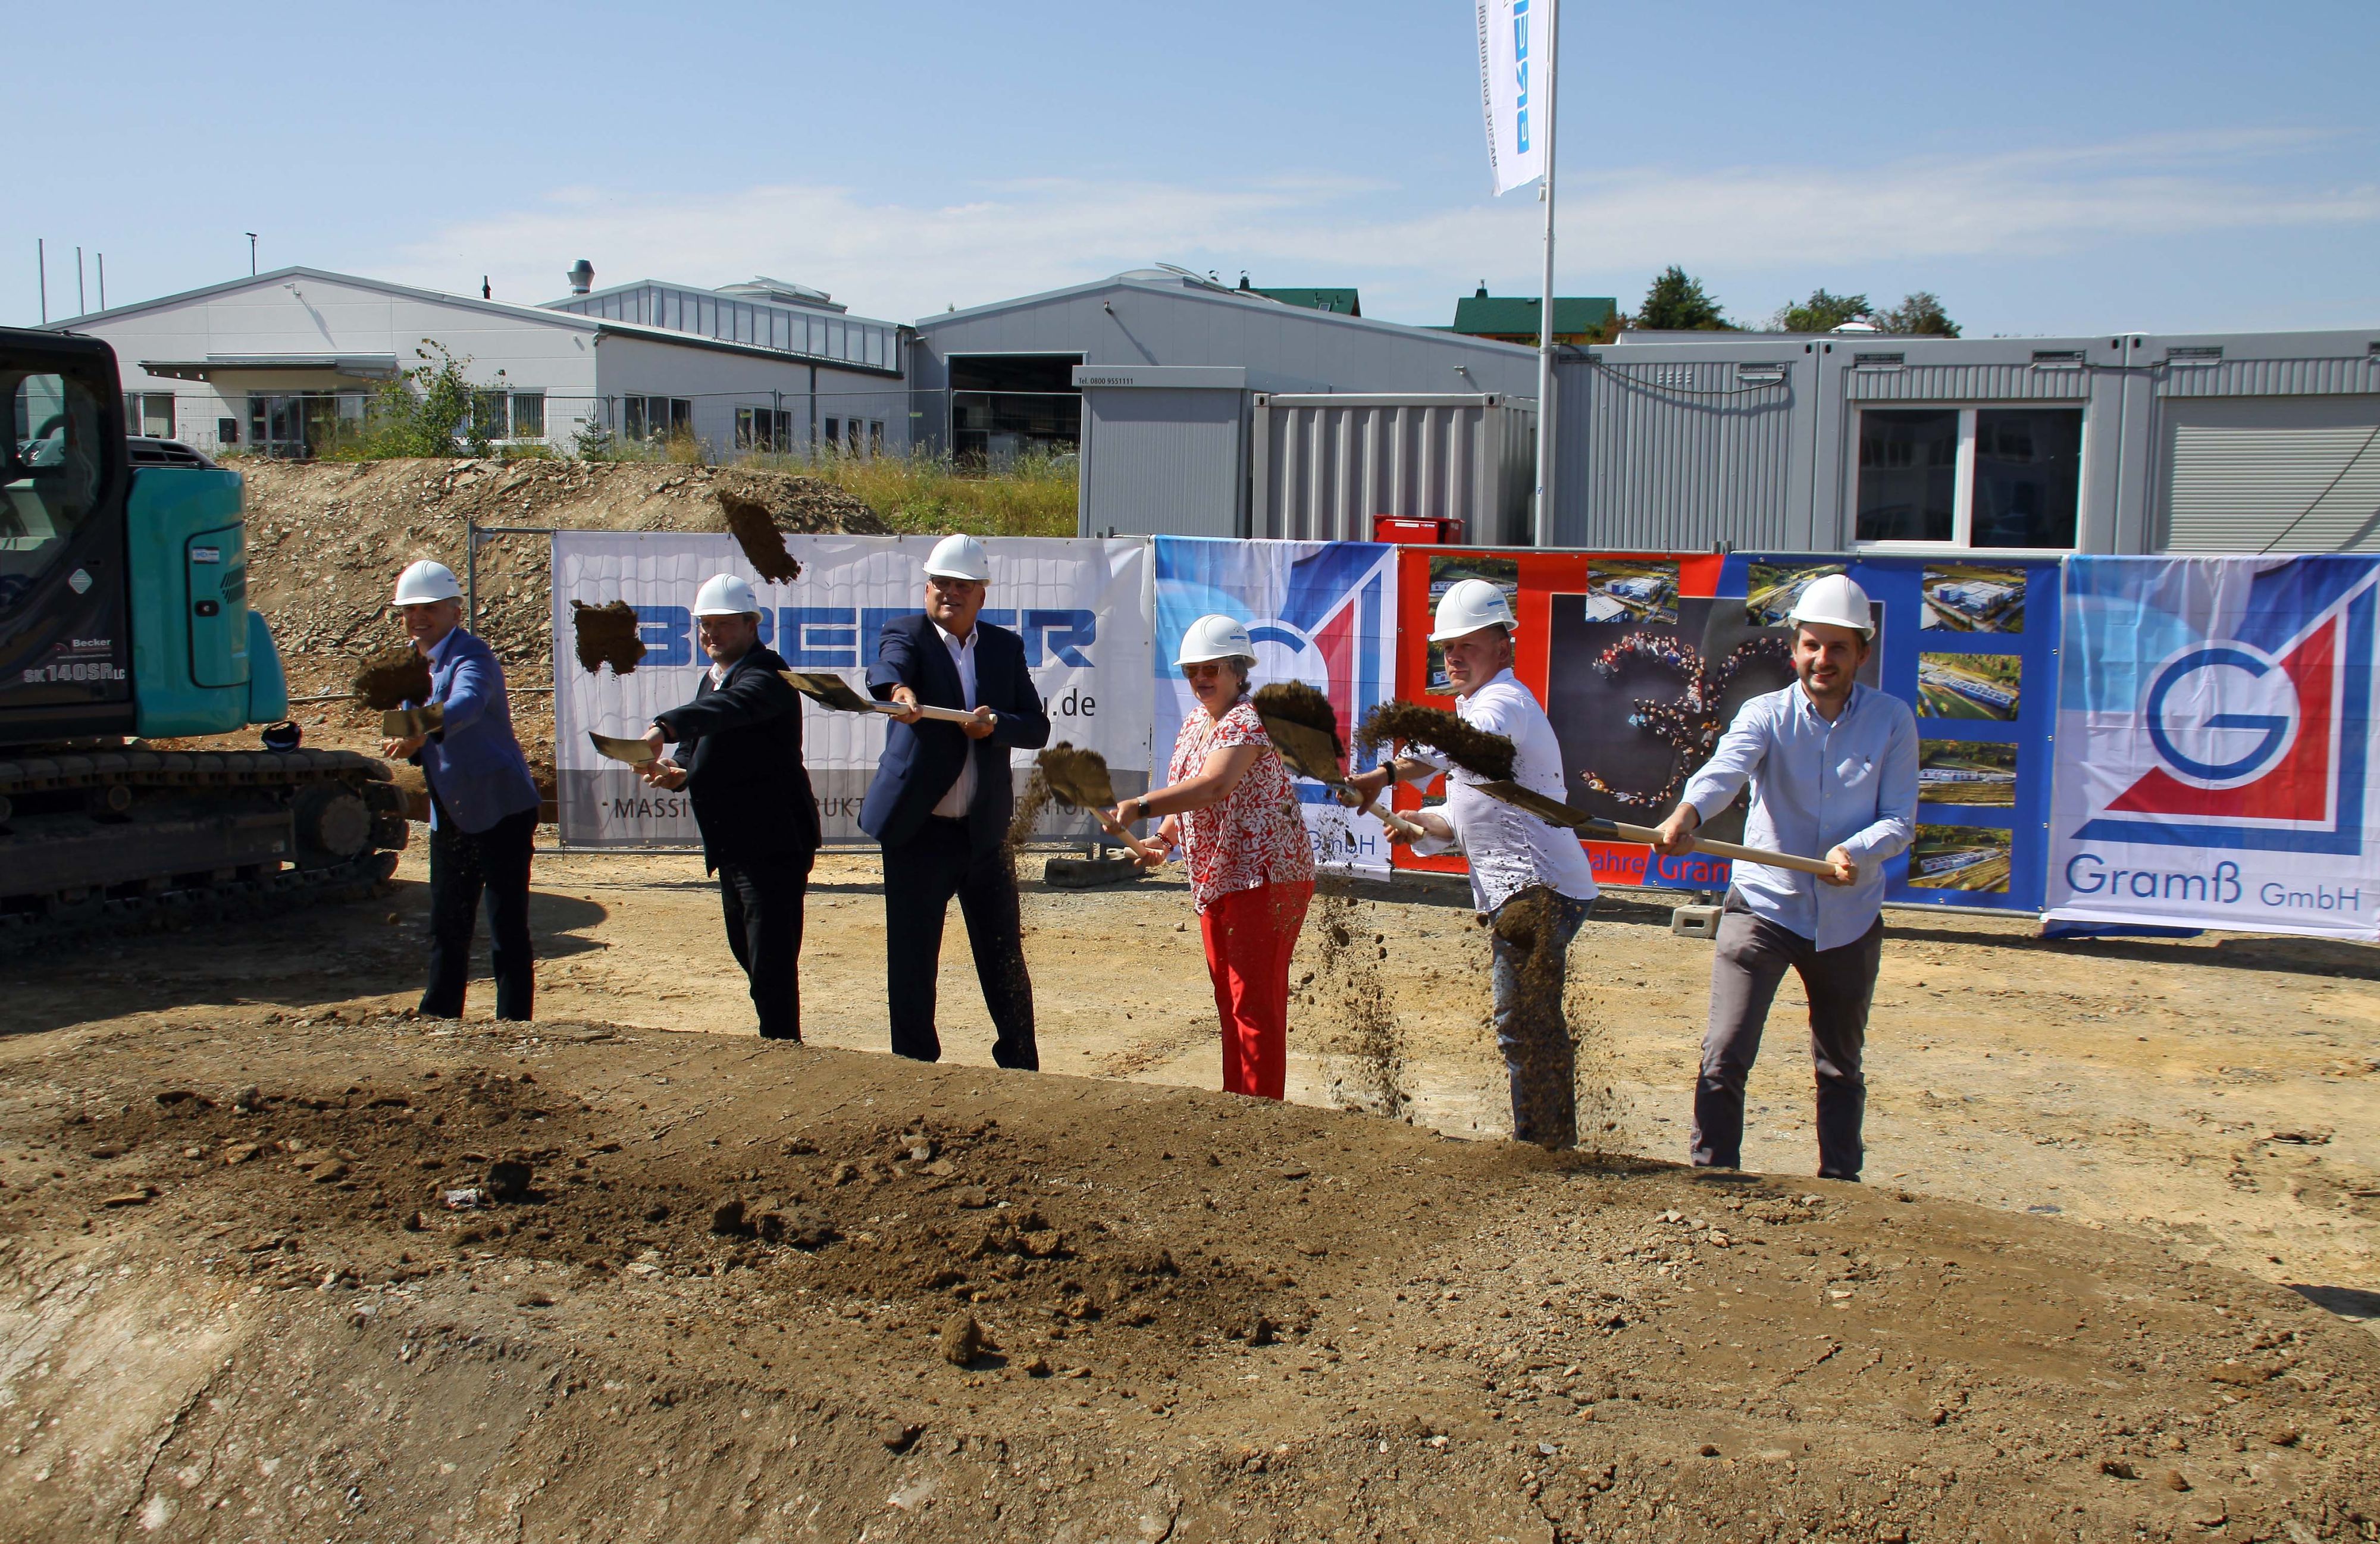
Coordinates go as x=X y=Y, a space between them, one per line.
x=1325 y=466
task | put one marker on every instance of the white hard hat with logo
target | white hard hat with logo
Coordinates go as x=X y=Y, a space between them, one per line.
x=1214 y=637
x=958 y=556
x=725 y=595
x=1469 y=605
x=425 y=581
x=1834 y=600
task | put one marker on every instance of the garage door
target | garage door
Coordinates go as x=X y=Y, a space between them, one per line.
x=2298 y=474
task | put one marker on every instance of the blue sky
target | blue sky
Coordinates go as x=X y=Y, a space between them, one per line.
x=2044 y=167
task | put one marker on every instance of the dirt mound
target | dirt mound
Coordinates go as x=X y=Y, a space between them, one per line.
x=324 y=540
x=258 y=1283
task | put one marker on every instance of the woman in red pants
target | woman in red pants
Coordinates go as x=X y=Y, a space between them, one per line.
x=1227 y=805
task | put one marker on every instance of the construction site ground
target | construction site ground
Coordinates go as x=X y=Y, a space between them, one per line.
x=2108 y=1279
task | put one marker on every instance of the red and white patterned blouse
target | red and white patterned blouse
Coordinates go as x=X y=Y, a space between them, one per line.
x=1256 y=836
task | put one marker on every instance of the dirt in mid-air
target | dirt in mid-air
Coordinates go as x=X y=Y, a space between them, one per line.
x=755 y=529
x=393 y=678
x=1476 y=750
x=606 y=634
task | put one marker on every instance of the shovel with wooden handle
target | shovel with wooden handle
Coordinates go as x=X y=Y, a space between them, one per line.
x=403 y=723
x=637 y=753
x=1554 y=812
x=1312 y=753
x=1080 y=778
x=829 y=690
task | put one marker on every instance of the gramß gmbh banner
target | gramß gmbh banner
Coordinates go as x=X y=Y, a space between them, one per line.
x=2215 y=738
x=1319 y=611
x=1513 y=72
x=1081 y=606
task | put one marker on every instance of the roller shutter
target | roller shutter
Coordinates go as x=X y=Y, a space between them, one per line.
x=2240 y=470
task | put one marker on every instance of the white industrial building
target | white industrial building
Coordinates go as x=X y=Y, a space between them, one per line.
x=276 y=363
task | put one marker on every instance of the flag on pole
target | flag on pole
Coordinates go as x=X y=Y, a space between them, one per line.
x=1513 y=74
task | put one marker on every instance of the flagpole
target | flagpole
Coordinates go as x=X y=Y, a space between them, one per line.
x=1542 y=531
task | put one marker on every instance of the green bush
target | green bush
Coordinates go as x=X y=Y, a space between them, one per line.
x=425 y=411
x=1034 y=495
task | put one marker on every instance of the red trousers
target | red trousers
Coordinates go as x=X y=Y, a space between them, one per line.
x=1250 y=935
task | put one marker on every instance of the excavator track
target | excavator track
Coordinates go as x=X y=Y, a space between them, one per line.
x=121 y=841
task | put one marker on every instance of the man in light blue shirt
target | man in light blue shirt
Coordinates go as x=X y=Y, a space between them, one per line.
x=1833 y=769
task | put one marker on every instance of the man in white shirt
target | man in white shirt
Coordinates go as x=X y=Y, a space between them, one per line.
x=1530 y=882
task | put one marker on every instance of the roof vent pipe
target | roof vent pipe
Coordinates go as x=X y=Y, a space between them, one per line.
x=582 y=277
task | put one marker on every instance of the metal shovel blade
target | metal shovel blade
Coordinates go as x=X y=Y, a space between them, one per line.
x=403 y=723
x=637 y=753
x=828 y=689
x=1310 y=752
x=1553 y=811
x=1077 y=777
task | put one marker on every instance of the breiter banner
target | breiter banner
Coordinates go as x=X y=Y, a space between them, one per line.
x=1513 y=70
x=1081 y=606
x=1319 y=611
x=2214 y=735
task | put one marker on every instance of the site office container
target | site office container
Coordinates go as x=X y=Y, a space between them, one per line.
x=1325 y=466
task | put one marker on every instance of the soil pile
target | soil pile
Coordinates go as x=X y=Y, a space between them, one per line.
x=262 y=1280
x=326 y=539
x=1476 y=750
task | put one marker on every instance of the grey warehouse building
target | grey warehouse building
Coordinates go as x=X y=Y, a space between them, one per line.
x=1200 y=409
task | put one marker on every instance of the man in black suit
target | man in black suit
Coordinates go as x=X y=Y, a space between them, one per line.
x=941 y=801
x=739 y=758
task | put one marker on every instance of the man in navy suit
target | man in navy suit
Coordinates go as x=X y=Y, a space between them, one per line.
x=739 y=758
x=941 y=803
x=482 y=801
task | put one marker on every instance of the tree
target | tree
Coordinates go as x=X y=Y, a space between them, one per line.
x=1919 y=315
x=422 y=412
x=1677 y=302
x=1822 y=313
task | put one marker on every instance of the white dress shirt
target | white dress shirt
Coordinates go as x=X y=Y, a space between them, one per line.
x=961 y=794
x=1508 y=849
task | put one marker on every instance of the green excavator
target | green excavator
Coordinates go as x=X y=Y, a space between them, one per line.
x=124 y=621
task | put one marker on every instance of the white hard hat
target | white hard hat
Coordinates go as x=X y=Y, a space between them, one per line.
x=958 y=556
x=725 y=595
x=1469 y=605
x=425 y=580
x=1835 y=599
x=1214 y=637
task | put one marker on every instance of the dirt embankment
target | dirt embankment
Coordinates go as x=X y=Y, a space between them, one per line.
x=326 y=542
x=275 y=1276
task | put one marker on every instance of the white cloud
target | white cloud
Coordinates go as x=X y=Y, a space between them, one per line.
x=900 y=260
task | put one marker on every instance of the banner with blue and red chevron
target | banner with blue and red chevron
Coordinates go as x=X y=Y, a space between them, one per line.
x=1319 y=611
x=2215 y=735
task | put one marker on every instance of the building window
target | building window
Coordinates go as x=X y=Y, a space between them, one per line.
x=226 y=431
x=1970 y=477
x=835 y=433
x=876 y=436
x=764 y=429
x=301 y=425
x=656 y=418
x=528 y=414
x=150 y=414
x=491 y=415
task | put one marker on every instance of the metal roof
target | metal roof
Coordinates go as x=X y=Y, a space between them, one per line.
x=1512 y=314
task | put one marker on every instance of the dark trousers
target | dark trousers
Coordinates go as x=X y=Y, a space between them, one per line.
x=920 y=877
x=464 y=865
x=762 y=899
x=1752 y=957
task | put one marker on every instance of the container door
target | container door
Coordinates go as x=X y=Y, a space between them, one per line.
x=1167 y=460
x=217 y=565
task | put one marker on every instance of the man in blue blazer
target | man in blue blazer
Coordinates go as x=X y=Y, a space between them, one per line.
x=483 y=801
x=941 y=803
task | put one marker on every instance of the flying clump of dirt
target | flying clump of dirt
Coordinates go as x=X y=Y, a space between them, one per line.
x=1527 y=923
x=1475 y=751
x=606 y=634
x=1034 y=799
x=756 y=531
x=393 y=678
x=1300 y=703
x=1345 y=987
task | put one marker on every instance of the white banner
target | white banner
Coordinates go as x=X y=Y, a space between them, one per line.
x=1513 y=73
x=1323 y=613
x=1083 y=608
x=2216 y=736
